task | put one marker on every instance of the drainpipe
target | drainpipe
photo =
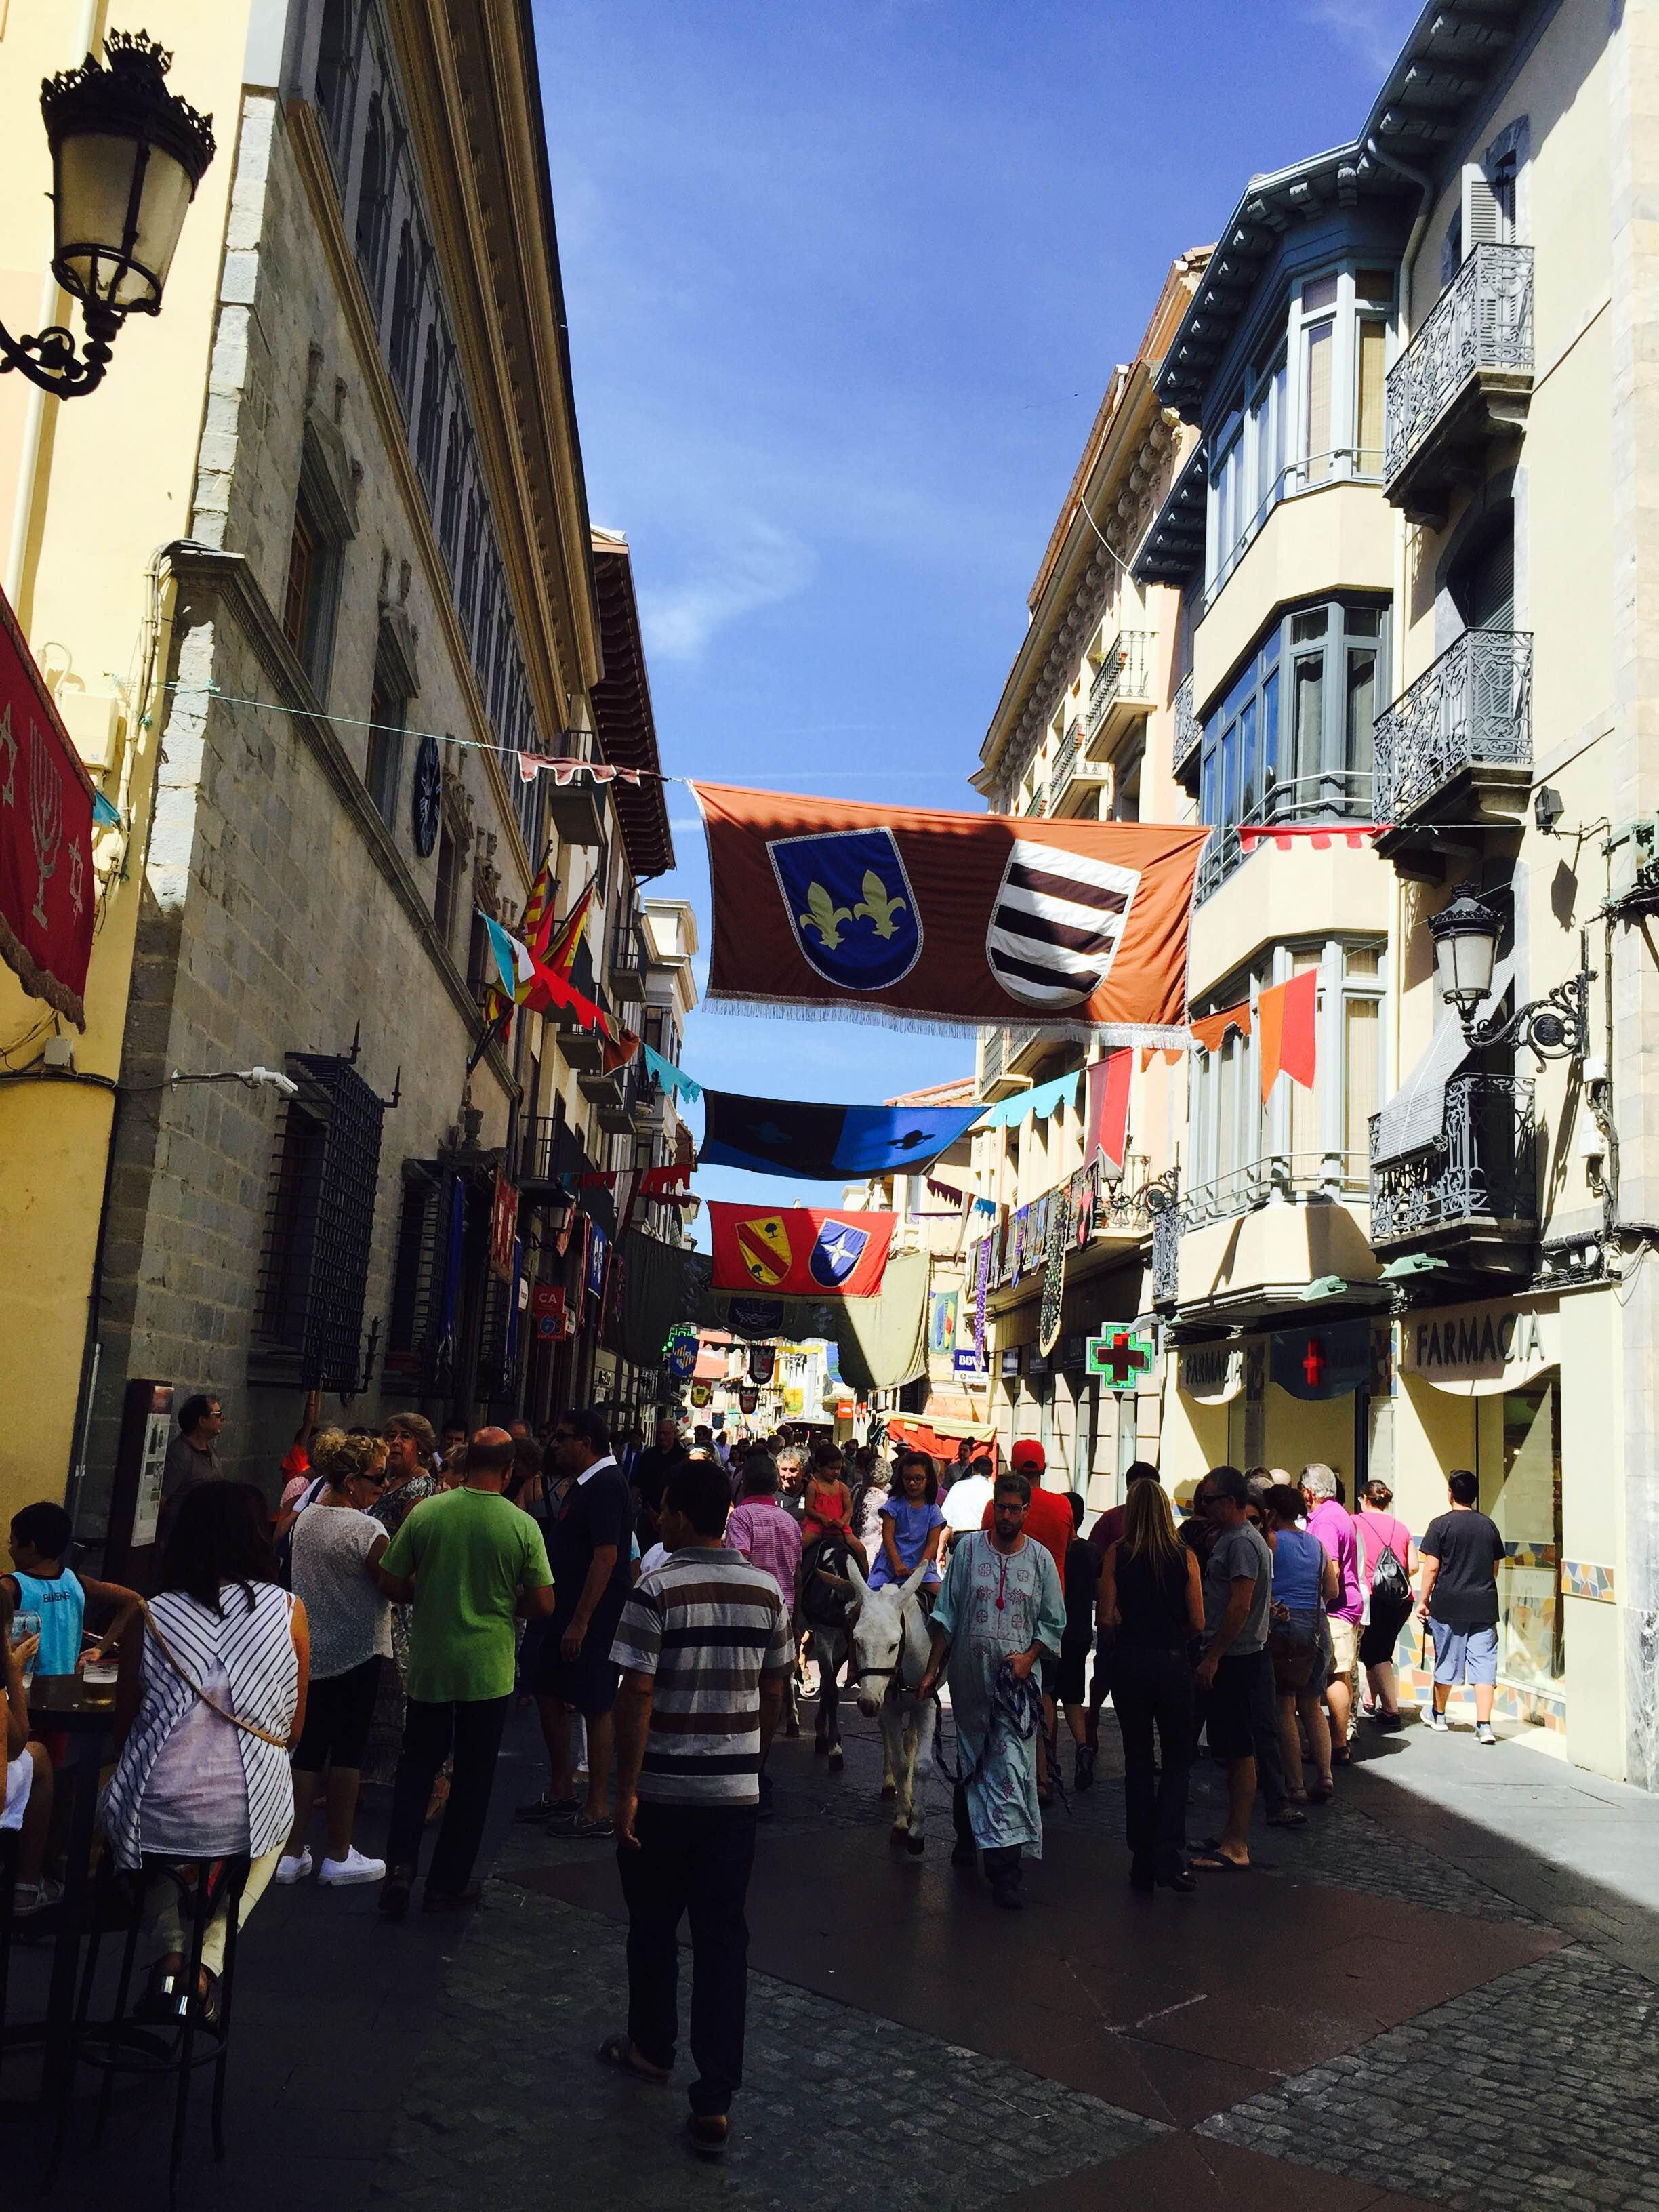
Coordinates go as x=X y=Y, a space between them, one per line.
x=1426 y=187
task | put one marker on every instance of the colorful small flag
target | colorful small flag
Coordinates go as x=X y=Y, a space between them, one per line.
x=1106 y=1111
x=1288 y=1027
x=669 y=1077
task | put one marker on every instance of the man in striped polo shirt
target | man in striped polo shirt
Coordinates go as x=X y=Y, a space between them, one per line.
x=705 y=1648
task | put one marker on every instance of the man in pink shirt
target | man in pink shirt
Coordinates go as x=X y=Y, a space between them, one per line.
x=1329 y=1521
x=768 y=1536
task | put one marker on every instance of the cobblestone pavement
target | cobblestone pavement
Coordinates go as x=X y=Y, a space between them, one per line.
x=1438 y=1996
x=845 y=2109
x=1542 y=2088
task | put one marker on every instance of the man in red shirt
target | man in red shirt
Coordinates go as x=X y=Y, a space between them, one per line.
x=1048 y=1520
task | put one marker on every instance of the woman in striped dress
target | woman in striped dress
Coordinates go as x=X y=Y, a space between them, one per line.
x=221 y=1639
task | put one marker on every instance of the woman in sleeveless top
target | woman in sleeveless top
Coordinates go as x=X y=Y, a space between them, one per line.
x=1151 y=1609
x=221 y=1639
x=1306 y=1581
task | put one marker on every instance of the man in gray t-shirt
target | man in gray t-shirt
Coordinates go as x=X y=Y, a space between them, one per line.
x=1235 y=1675
x=1240 y=1552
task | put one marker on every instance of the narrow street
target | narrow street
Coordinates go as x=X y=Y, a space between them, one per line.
x=1441 y=1994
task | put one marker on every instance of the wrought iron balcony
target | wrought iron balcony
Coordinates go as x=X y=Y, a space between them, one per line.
x=1038 y=801
x=1189 y=736
x=616 y=1094
x=1466 y=378
x=1122 y=689
x=1472 y=1190
x=1461 y=737
x=1166 y=1255
x=1075 y=779
x=625 y=961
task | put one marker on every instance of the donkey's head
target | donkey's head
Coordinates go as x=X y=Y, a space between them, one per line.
x=878 y=1635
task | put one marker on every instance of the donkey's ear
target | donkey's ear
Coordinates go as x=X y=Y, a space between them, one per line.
x=855 y=1576
x=912 y=1581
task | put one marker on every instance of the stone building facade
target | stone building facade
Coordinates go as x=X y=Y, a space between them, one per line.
x=377 y=605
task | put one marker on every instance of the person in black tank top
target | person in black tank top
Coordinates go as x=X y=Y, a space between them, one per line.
x=1152 y=1604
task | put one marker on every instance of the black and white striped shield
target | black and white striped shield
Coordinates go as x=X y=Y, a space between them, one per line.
x=1056 y=923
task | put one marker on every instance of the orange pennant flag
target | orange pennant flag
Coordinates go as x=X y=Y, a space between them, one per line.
x=1288 y=1016
x=1209 y=1033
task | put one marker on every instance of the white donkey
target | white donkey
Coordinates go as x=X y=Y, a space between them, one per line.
x=890 y=1646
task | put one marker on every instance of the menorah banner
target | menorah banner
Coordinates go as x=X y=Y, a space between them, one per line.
x=47 y=891
x=903 y=915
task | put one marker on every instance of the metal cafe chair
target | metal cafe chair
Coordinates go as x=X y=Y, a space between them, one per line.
x=147 y=2049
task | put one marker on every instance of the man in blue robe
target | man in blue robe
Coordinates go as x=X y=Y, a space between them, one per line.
x=1001 y=1603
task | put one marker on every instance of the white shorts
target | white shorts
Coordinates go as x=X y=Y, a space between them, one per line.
x=20 y=1780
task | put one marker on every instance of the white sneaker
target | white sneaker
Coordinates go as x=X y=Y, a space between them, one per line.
x=1434 y=1719
x=289 y=1870
x=1485 y=1733
x=353 y=1867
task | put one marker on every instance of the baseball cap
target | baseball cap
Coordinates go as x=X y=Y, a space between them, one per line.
x=1028 y=1456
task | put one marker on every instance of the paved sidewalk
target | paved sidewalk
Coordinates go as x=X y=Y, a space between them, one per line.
x=1437 y=1997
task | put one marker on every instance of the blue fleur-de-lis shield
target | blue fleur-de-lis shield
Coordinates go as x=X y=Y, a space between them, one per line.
x=850 y=905
x=839 y=1249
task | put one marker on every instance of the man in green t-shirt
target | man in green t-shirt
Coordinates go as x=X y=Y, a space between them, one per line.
x=470 y=1563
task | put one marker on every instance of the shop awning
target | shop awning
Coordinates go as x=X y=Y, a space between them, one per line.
x=940 y=1437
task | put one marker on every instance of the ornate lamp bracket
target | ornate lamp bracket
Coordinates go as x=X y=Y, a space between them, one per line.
x=1554 y=1027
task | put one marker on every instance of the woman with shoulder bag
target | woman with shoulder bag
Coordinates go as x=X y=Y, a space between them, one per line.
x=1388 y=1564
x=211 y=1701
x=1304 y=1582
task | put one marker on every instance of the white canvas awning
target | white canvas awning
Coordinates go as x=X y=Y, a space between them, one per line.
x=1416 y=1114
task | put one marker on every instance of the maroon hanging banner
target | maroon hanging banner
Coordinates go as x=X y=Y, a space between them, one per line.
x=47 y=892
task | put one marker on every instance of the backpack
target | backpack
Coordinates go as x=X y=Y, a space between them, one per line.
x=821 y=1605
x=1390 y=1584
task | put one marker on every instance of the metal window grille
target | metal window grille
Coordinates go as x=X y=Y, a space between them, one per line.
x=319 y=1223
x=420 y=1341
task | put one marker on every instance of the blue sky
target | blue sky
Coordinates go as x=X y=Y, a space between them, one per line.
x=845 y=284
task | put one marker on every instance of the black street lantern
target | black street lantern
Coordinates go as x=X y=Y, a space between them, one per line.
x=1465 y=933
x=126 y=157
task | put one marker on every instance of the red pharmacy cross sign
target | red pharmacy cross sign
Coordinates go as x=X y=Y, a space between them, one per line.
x=1121 y=1356
x=1313 y=1363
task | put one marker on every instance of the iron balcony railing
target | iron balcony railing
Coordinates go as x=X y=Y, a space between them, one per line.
x=1481 y=322
x=1166 y=1255
x=1123 y=674
x=1473 y=708
x=1065 y=762
x=1037 y=801
x=1275 y=1177
x=1188 y=731
x=1334 y=796
x=1482 y=1167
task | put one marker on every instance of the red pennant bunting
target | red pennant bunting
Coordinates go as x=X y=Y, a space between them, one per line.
x=1289 y=1031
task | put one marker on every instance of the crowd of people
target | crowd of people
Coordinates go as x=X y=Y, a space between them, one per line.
x=655 y=1602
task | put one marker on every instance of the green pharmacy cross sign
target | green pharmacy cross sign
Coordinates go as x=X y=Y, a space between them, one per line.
x=1121 y=1356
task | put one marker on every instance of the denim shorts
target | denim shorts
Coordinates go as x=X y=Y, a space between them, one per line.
x=1464 y=1655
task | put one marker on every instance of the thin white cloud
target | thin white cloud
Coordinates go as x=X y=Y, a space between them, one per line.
x=1372 y=29
x=755 y=565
